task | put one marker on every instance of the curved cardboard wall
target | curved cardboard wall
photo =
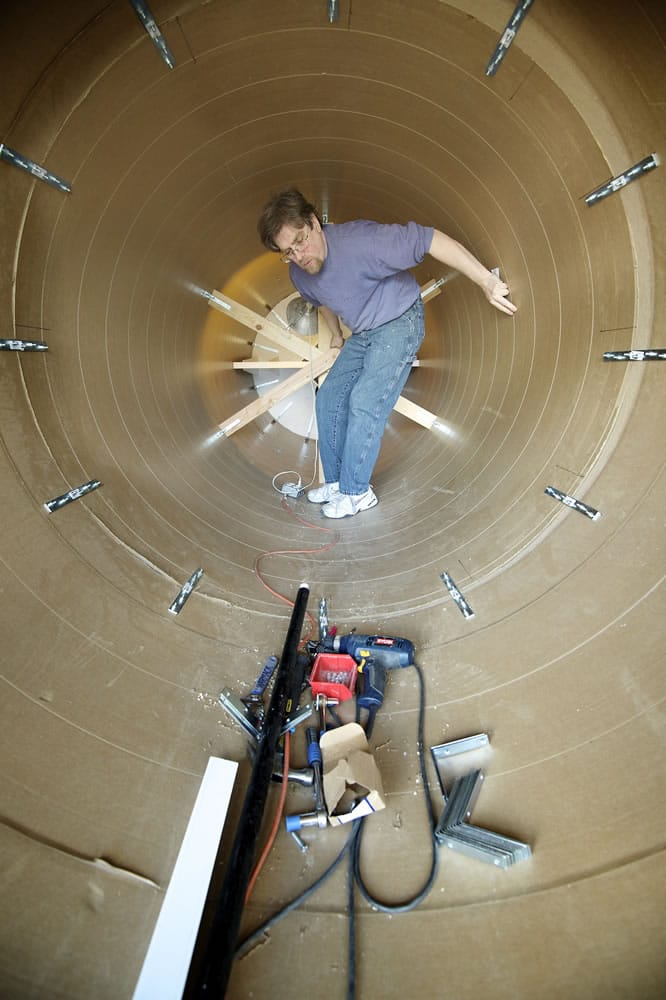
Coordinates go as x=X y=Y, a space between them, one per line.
x=110 y=704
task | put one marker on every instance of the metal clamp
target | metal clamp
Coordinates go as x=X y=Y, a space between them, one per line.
x=242 y=714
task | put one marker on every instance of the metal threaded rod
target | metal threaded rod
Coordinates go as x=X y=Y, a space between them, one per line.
x=218 y=951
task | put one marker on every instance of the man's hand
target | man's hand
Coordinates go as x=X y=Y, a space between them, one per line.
x=448 y=251
x=333 y=324
x=496 y=291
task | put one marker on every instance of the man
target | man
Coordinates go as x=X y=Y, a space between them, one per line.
x=359 y=272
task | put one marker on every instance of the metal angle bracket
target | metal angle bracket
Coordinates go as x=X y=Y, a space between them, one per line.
x=243 y=716
x=300 y=715
x=484 y=845
x=456 y=833
x=454 y=747
x=462 y=799
x=240 y=712
x=453 y=830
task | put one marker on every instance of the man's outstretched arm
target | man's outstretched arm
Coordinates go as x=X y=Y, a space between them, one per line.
x=448 y=251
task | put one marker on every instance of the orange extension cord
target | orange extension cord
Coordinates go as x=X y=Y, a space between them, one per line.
x=276 y=821
x=313 y=625
x=296 y=552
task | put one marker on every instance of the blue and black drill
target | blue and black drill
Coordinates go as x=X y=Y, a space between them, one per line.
x=375 y=654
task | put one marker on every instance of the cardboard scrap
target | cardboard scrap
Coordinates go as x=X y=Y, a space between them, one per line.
x=352 y=782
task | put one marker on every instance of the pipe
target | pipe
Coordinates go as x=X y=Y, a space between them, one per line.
x=392 y=118
x=217 y=954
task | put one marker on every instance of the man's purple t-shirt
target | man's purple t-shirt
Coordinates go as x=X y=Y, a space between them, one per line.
x=365 y=278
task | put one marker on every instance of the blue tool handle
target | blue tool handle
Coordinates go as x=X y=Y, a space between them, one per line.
x=373 y=678
x=265 y=675
x=314 y=750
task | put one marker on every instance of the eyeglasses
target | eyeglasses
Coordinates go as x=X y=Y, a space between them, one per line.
x=297 y=247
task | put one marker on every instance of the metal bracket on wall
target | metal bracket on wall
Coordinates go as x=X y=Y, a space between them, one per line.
x=573 y=503
x=74 y=494
x=31 y=167
x=176 y=605
x=144 y=14
x=23 y=345
x=621 y=180
x=456 y=595
x=508 y=36
x=649 y=354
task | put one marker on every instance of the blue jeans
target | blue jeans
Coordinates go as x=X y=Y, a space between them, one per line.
x=359 y=392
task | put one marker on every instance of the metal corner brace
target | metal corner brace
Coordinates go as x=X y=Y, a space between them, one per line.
x=453 y=830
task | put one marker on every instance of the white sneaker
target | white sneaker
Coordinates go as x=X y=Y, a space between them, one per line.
x=344 y=505
x=322 y=494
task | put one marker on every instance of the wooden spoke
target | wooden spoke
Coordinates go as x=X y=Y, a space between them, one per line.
x=415 y=412
x=291 y=384
x=284 y=339
x=311 y=362
x=253 y=365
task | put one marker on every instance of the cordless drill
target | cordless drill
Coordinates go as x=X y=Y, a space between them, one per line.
x=390 y=650
x=375 y=654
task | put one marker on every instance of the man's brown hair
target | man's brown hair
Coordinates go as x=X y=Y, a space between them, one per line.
x=288 y=208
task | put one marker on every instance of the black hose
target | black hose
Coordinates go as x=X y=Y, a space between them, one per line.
x=353 y=844
x=248 y=942
x=418 y=897
x=351 y=923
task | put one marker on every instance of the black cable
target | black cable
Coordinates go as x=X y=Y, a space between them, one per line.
x=414 y=901
x=334 y=715
x=351 y=923
x=372 y=714
x=252 y=938
x=353 y=844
